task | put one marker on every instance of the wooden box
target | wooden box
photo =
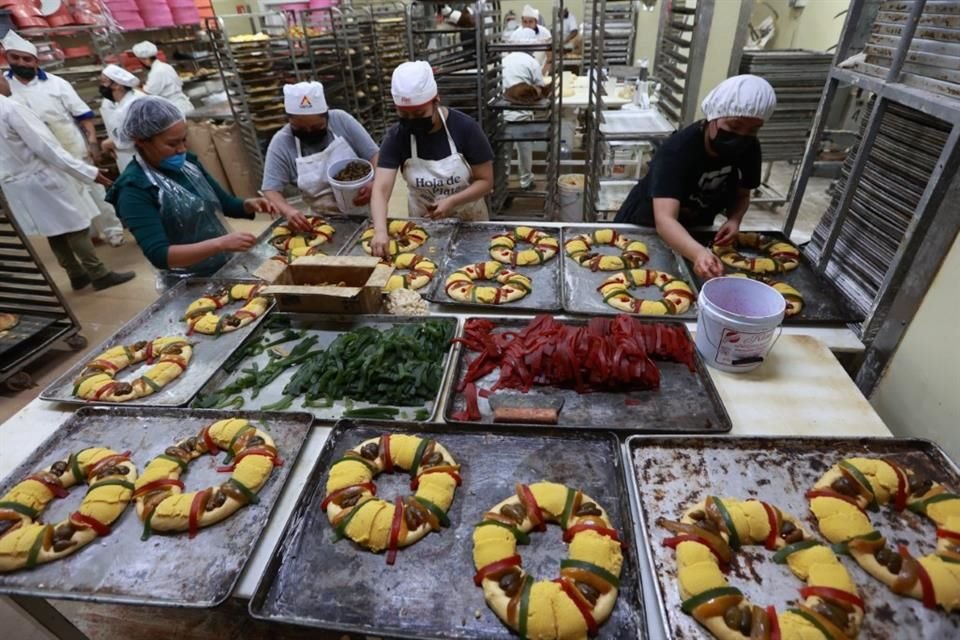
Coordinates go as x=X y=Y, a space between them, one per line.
x=326 y=284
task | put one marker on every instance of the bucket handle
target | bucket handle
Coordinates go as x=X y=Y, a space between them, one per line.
x=716 y=345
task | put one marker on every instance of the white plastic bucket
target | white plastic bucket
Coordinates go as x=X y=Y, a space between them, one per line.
x=571 y=199
x=737 y=322
x=345 y=192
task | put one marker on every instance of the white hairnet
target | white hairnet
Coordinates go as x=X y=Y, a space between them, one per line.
x=745 y=96
x=150 y=116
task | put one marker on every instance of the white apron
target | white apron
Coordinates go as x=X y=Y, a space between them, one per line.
x=312 y=179
x=48 y=202
x=430 y=181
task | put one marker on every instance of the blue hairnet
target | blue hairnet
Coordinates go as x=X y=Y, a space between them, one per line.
x=149 y=116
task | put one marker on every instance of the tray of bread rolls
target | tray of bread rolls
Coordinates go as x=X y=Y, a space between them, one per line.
x=531 y=252
x=824 y=527
x=332 y=568
x=122 y=527
x=596 y=254
x=168 y=331
x=330 y=235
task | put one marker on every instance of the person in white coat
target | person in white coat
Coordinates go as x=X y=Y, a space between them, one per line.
x=118 y=88
x=302 y=152
x=523 y=83
x=530 y=19
x=68 y=117
x=41 y=182
x=162 y=80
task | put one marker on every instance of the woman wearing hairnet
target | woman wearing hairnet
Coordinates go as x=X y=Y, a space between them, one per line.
x=707 y=168
x=170 y=203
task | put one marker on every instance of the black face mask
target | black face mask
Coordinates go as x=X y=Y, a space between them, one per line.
x=314 y=136
x=417 y=126
x=729 y=145
x=26 y=73
x=106 y=93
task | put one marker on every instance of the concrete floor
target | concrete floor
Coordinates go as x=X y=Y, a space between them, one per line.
x=102 y=313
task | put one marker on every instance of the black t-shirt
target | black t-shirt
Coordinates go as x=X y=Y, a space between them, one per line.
x=470 y=139
x=704 y=185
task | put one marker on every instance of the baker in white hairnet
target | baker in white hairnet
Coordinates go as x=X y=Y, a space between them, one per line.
x=118 y=88
x=530 y=19
x=302 y=152
x=162 y=80
x=707 y=168
x=443 y=155
x=68 y=117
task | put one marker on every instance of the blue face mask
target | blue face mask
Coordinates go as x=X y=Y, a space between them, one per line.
x=174 y=162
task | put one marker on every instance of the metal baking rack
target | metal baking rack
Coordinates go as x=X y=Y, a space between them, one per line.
x=28 y=291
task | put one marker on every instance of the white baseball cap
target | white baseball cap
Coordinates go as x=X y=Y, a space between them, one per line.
x=413 y=84
x=304 y=99
x=14 y=42
x=145 y=49
x=745 y=96
x=120 y=75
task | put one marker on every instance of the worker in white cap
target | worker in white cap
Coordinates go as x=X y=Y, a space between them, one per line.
x=118 y=88
x=530 y=19
x=443 y=155
x=522 y=80
x=68 y=117
x=41 y=181
x=162 y=80
x=707 y=168
x=301 y=153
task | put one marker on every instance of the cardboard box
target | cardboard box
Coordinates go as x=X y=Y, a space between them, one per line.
x=326 y=284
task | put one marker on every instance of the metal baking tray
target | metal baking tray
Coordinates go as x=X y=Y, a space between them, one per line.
x=435 y=248
x=166 y=570
x=327 y=329
x=429 y=592
x=580 y=284
x=471 y=245
x=27 y=327
x=687 y=402
x=822 y=301
x=666 y=475
x=164 y=318
x=243 y=265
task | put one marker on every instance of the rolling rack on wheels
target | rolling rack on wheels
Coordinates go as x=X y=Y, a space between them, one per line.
x=28 y=293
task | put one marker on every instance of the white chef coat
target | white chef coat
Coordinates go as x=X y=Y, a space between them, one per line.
x=113 y=114
x=56 y=103
x=543 y=37
x=520 y=68
x=569 y=25
x=39 y=177
x=164 y=81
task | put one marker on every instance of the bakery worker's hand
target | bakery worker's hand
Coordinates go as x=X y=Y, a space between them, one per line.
x=102 y=179
x=296 y=219
x=441 y=209
x=363 y=195
x=727 y=233
x=707 y=265
x=380 y=243
x=259 y=205
x=237 y=241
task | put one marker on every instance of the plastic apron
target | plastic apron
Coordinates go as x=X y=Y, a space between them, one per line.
x=430 y=181
x=188 y=218
x=312 y=179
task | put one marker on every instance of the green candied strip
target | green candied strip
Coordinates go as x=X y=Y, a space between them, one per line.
x=728 y=521
x=36 y=546
x=180 y=463
x=592 y=568
x=435 y=510
x=862 y=481
x=22 y=509
x=843 y=548
x=693 y=602
x=780 y=557
x=111 y=483
x=525 y=606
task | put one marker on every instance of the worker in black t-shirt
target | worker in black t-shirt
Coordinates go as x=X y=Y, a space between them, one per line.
x=707 y=168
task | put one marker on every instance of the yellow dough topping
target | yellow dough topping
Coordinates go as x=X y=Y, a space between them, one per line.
x=97 y=381
x=585 y=594
x=25 y=542
x=633 y=253
x=839 y=500
x=419 y=271
x=706 y=539
x=355 y=511
x=201 y=316
x=405 y=237
x=677 y=294
x=780 y=256
x=163 y=505
x=503 y=247
x=462 y=284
